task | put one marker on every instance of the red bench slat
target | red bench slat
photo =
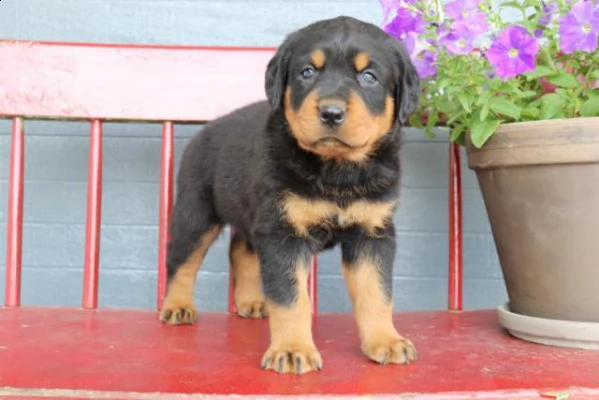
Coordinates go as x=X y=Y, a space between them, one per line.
x=464 y=355
x=117 y=82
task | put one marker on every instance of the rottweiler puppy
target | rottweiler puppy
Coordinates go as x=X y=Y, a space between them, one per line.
x=315 y=165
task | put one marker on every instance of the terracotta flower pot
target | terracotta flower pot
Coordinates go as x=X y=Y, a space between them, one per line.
x=540 y=185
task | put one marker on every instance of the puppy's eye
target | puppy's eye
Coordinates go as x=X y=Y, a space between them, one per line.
x=307 y=73
x=368 y=78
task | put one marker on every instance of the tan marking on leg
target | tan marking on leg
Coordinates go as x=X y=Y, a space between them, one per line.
x=292 y=348
x=178 y=307
x=373 y=311
x=318 y=58
x=249 y=298
x=361 y=61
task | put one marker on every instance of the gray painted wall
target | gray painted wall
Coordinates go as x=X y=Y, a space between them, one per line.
x=56 y=168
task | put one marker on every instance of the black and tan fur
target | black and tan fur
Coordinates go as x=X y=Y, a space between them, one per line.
x=316 y=165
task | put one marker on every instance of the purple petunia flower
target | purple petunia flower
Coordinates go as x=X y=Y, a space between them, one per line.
x=547 y=15
x=463 y=10
x=459 y=39
x=513 y=52
x=579 y=29
x=388 y=6
x=404 y=22
x=425 y=63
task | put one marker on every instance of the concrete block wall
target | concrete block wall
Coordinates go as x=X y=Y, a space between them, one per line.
x=56 y=169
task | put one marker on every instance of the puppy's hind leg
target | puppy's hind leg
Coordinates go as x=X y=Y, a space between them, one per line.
x=194 y=227
x=249 y=297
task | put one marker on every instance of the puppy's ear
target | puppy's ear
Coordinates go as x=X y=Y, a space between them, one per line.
x=276 y=73
x=408 y=84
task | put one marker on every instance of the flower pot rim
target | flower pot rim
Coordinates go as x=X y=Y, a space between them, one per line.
x=542 y=142
x=511 y=126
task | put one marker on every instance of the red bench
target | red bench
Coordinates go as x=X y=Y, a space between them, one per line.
x=86 y=352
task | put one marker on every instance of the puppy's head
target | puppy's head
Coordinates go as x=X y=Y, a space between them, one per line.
x=343 y=84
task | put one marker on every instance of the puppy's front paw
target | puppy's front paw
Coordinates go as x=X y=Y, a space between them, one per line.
x=178 y=314
x=297 y=359
x=390 y=348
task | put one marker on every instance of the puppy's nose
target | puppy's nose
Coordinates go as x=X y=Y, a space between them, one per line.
x=332 y=114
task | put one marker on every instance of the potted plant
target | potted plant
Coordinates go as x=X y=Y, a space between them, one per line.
x=516 y=83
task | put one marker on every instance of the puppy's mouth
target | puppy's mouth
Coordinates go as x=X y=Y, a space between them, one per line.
x=333 y=142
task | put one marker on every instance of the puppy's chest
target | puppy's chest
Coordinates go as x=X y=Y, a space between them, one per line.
x=303 y=214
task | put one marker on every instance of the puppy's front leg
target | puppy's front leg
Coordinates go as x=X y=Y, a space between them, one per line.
x=367 y=267
x=285 y=265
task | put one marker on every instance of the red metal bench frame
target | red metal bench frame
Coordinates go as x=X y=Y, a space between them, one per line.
x=177 y=84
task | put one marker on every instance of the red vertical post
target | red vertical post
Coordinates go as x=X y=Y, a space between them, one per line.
x=313 y=284
x=165 y=206
x=14 y=241
x=456 y=268
x=91 y=267
x=231 y=298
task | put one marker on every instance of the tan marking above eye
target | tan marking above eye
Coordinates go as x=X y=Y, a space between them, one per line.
x=318 y=58
x=361 y=61
x=304 y=214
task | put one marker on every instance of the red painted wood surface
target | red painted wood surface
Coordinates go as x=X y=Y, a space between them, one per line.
x=91 y=262
x=165 y=205
x=121 y=350
x=125 y=82
x=14 y=226
x=456 y=257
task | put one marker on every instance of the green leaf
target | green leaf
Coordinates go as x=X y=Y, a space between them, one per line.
x=445 y=106
x=505 y=88
x=539 y=72
x=466 y=99
x=484 y=112
x=512 y=4
x=444 y=82
x=456 y=132
x=551 y=105
x=433 y=118
x=527 y=93
x=501 y=105
x=565 y=80
x=530 y=113
x=415 y=121
x=480 y=132
x=484 y=98
x=594 y=74
x=590 y=108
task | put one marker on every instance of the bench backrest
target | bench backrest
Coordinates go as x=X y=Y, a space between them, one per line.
x=130 y=83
